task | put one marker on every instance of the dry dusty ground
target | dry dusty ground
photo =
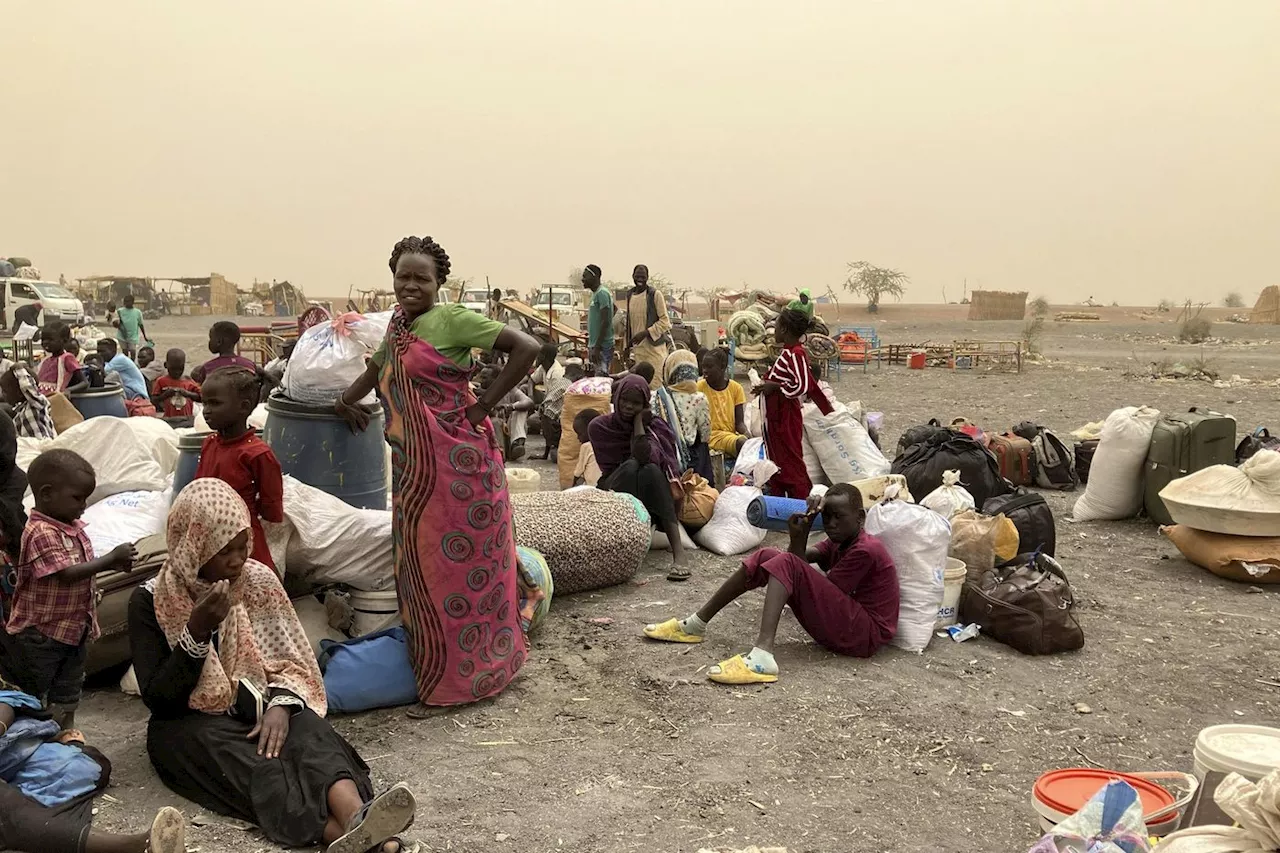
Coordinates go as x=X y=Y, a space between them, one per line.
x=608 y=742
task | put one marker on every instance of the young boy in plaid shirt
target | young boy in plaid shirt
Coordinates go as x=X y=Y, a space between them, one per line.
x=53 y=614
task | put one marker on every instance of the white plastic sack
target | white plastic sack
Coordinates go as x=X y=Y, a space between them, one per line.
x=728 y=532
x=1254 y=807
x=753 y=417
x=121 y=460
x=659 y=541
x=314 y=618
x=1242 y=501
x=160 y=438
x=333 y=542
x=753 y=464
x=330 y=356
x=812 y=464
x=949 y=498
x=843 y=445
x=917 y=538
x=1115 y=476
x=125 y=517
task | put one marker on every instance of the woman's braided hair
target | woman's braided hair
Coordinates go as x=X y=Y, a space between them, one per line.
x=423 y=246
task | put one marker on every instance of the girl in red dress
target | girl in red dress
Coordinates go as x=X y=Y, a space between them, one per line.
x=785 y=386
x=235 y=454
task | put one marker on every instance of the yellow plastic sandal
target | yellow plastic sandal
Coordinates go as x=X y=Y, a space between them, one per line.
x=735 y=671
x=670 y=632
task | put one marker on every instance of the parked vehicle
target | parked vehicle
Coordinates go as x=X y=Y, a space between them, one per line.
x=476 y=298
x=56 y=301
x=561 y=304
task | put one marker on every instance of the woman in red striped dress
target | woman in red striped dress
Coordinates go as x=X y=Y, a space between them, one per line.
x=785 y=386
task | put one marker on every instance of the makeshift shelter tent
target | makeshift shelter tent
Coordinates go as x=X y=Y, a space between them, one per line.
x=1267 y=308
x=210 y=295
x=279 y=298
x=997 y=305
x=114 y=288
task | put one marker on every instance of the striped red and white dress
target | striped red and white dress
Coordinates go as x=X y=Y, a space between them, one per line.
x=784 y=421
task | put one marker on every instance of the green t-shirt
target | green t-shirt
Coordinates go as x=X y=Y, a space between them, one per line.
x=805 y=308
x=454 y=330
x=130 y=323
x=600 y=317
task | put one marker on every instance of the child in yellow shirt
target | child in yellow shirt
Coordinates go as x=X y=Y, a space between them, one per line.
x=727 y=400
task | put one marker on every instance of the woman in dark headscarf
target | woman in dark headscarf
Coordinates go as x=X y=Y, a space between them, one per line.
x=636 y=453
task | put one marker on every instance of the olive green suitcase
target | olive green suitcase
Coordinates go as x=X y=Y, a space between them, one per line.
x=1182 y=445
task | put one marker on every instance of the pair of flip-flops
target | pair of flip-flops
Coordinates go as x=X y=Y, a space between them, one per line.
x=381 y=820
x=735 y=670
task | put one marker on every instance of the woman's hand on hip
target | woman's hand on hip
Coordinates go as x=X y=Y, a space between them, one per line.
x=209 y=611
x=476 y=414
x=271 y=731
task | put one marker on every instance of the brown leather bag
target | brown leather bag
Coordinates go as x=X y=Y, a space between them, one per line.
x=1016 y=458
x=1026 y=604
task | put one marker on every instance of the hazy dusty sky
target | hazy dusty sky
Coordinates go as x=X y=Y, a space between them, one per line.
x=1125 y=150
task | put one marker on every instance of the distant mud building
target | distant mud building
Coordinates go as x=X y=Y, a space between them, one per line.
x=997 y=305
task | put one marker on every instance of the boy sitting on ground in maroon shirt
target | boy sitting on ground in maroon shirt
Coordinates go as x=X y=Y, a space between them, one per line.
x=849 y=604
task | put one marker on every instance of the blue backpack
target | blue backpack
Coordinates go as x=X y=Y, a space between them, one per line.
x=368 y=672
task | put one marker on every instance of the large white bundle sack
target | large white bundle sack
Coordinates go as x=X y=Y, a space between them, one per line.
x=1242 y=501
x=333 y=542
x=1115 y=476
x=917 y=538
x=330 y=356
x=125 y=517
x=160 y=438
x=812 y=464
x=121 y=459
x=728 y=532
x=843 y=445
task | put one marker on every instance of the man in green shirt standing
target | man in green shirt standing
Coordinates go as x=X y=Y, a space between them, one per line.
x=599 y=321
x=129 y=322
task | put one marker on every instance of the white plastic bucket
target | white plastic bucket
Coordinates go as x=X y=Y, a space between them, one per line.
x=374 y=611
x=1160 y=821
x=952 y=583
x=1251 y=751
x=522 y=481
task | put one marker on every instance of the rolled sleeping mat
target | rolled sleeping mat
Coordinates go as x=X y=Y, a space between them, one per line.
x=771 y=513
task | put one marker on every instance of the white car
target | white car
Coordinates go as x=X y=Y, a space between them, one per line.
x=562 y=303
x=56 y=301
x=476 y=299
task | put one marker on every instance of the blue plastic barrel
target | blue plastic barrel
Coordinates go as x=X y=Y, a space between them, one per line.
x=189 y=445
x=104 y=402
x=315 y=446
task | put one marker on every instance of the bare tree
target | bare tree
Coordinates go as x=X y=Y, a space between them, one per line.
x=710 y=295
x=1233 y=300
x=873 y=282
x=575 y=277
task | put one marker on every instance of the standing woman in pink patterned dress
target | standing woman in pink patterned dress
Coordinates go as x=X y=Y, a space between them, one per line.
x=463 y=597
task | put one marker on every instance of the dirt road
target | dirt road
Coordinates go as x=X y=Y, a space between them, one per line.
x=608 y=742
